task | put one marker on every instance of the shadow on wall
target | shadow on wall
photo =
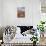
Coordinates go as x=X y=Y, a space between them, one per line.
x=1 y=32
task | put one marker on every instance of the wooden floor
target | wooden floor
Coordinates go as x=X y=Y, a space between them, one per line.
x=42 y=41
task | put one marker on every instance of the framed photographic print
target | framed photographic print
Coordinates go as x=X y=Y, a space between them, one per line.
x=21 y=12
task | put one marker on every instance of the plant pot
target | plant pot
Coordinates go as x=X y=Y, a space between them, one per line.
x=34 y=43
x=42 y=34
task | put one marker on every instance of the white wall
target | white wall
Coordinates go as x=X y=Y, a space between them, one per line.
x=1 y=12
x=32 y=12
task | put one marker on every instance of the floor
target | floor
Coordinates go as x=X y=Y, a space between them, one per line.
x=42 y=41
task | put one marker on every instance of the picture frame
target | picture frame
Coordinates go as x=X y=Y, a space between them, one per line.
x=21 y=12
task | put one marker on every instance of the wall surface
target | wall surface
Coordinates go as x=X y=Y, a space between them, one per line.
x=1 y=12
x=9 y=12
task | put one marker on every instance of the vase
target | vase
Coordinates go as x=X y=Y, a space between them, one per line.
x=42 y=34
x=34 y=43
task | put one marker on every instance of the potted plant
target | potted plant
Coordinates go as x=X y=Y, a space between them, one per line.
x=41 y=27
x=34 y=39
